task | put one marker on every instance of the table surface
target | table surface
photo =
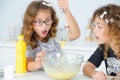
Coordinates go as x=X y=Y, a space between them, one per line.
x=41 y=75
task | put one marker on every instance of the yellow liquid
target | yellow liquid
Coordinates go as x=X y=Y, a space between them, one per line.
x=61 y=75
x=20 y=56
x=62 y=43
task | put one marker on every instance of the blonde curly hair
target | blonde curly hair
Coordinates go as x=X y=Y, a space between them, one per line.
x=113 y=18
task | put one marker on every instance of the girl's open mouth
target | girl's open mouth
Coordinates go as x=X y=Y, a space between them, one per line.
x=96 y=37
x=44 y=32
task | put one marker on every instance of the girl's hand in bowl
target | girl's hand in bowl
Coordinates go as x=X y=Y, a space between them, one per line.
x=39 y=55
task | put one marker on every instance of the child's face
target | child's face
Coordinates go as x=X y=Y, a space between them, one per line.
x=42 y=23
x=101 y=30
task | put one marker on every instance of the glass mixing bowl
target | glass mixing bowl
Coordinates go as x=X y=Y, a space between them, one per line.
x=62 y=67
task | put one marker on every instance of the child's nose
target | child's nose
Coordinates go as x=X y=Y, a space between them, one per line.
x=44 y=25
x=94 y=30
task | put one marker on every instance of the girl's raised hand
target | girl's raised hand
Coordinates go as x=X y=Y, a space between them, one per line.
x=63 y=4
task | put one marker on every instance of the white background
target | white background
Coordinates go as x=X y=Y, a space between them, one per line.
x=12 y=11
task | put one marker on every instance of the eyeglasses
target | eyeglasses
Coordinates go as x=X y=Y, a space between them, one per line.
x=40 y=22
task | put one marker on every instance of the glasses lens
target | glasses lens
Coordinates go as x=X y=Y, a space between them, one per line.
x=49 y=22
x=39 y=23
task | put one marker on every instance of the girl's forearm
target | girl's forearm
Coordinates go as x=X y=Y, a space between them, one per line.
x=74 y=31
x=33 y=66
x=89 y=71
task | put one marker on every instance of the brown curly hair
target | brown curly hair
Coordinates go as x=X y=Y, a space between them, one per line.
x=113 y=16
x=30 y=35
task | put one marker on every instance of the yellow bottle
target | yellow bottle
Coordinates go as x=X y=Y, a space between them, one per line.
x=20 y=55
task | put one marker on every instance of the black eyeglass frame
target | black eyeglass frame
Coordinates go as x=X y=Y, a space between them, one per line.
x=47 y=23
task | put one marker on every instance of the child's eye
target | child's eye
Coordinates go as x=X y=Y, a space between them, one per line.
x=99 y=27
x=49 y=21
x=94 y=25
x=38 y=22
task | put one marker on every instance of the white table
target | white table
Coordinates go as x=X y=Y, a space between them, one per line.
x=41 y=75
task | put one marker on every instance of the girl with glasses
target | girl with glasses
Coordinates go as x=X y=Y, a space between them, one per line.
x=39 y=30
